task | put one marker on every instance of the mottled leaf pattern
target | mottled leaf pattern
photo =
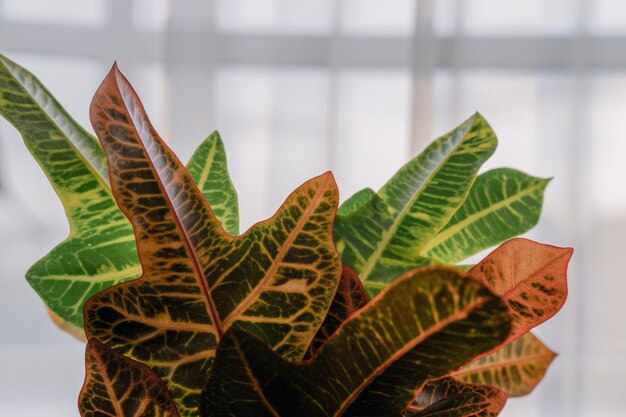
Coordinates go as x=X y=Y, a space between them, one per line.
x=209 y=170
x=276 y=281
x=116 y=386
x=349 y=298
x=502 y=204
x=531 y=277
x=449 y=397
x=386 y=235
x=100 y=250
x=516 y=368
x=425 y=325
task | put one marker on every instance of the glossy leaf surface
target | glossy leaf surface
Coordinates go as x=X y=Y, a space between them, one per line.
x=209 y=170
x=349 y=298
x=531 y=277
x=426 y=324
x=449 y=397
x=276 y=281
x=503 y=203
x=515 y=368
x=116 y=386
x=384 y=235
x=100 y=250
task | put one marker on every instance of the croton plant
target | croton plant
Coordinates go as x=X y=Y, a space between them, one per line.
x=320 y=310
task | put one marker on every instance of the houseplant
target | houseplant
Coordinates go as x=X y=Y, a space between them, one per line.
x=277 y=322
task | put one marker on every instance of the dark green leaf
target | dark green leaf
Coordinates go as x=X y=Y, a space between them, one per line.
x=116 y=386
x=449 y=397
x=425 y=325
x=349 y=298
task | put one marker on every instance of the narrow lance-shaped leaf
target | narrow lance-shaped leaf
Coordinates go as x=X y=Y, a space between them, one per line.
x=503 y=203
x=349 y=298
x=209 y=170
x=426 y=324
x=116 y=386
x=531 y=277
x=516 y=368
x=449 y=397
x=100 y=250
x=384 y=235
x=275 y=281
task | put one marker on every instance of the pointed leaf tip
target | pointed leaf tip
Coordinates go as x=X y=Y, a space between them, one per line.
x=190 y=263
x=530 y=276
x=116 y=386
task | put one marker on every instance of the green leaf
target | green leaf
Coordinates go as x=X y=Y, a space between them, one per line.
x=357 y=201
x=349 y=298
x=387 y=235
x=502 y=204
x=209 y=170
x=449 y=397
x=275 y=281
x=100 y=250
x=516 y=368
x=423 y=326
x=116 y=386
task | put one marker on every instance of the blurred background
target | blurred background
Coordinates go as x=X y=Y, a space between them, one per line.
x=298 y=87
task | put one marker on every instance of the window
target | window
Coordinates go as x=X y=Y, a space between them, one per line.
x=299 y=87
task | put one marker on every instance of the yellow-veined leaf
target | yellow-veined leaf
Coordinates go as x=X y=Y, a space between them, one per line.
x=423 y=326
x=275 y=281
x=116 y=386
x=515 y=368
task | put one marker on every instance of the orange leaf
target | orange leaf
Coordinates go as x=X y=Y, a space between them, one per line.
x=531 y=277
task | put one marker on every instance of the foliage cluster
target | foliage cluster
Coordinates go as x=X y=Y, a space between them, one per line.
x=319 y=310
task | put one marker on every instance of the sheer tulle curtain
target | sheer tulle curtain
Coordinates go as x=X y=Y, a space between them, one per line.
x=297 y=87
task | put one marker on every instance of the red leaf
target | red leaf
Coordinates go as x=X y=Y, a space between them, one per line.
x=531 y=277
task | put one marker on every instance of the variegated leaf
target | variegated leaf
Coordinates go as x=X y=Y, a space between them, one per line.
x=100 y=250
x=209 y=170
x=349 y=298
x=423 y=326
x=516 y=368
x=449 y=397
x=275 y=281
x=116 y=386
x=503 y=203
x=388 y=233
x=531 y=277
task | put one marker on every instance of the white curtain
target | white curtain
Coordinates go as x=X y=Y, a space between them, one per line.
x=298 y=87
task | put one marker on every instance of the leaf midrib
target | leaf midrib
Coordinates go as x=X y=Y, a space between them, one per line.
x=254 y=380
x=447 y=233
x=260 y=287
x=194 y=258
x=108 y=383
x=529 y=277
x=520 y=360
x=459 y=315
x=390 y=233
x=206 y=169
x=77 y=152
